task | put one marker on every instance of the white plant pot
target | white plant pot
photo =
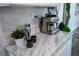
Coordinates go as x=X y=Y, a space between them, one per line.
x=20 y=42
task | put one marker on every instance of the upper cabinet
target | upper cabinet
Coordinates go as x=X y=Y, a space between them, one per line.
x=39 y=4
x=4 y=4
x=30 y=4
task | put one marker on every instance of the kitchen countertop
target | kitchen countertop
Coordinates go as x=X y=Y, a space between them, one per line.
x=46 y=45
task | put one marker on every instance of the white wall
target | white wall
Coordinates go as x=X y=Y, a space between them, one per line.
x=11 y=17
x=74 y=19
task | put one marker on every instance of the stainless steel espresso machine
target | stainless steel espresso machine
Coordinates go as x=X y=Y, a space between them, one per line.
x=49 y=23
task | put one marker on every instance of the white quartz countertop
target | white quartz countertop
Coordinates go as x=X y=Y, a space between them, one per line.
x=46 y=45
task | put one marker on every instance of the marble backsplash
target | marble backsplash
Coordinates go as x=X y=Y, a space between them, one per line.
x=35 y=26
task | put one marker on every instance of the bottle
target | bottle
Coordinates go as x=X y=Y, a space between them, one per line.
x=28 y=31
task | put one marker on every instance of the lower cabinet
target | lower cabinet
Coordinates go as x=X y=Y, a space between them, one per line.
x=65 y=50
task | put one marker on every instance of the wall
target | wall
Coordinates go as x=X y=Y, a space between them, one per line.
x=11 y=17
x=74 y=19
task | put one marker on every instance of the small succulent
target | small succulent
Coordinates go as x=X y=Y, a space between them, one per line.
x=63 y=27
x=18 y=33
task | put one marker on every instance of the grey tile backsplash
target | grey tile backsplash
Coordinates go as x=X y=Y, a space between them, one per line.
x=11 y=17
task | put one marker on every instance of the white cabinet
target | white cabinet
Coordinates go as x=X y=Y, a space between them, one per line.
x=36 y=4
x=30 y=4
x=65 y=50
x=45 y=4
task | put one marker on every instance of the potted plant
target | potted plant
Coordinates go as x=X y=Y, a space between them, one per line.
x=63 y=27
x=18 y=34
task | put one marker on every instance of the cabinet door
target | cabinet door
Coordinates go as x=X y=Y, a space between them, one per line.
x=66 y=50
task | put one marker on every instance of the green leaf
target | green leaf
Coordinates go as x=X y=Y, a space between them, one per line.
x=18 y=33
x=63 y=27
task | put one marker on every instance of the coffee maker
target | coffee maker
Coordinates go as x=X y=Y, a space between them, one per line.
x=49 y=23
